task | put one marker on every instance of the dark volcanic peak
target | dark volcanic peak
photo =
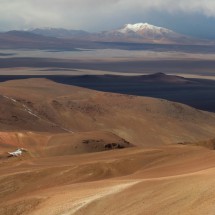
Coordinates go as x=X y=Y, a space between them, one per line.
x=153 y=78
x=162 y=77
x=156 y=77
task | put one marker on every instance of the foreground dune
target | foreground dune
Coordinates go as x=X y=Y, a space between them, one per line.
x=165 y=180
x=89 y=152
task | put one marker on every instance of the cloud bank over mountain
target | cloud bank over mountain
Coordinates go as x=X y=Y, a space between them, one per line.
x=95 y=15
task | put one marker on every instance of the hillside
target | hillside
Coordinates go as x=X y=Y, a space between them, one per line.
x=61 y=108
x=84 y=149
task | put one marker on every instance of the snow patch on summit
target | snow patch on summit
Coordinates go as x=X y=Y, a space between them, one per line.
x=141 y=26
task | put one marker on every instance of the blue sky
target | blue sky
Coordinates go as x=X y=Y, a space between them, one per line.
x=193 y=17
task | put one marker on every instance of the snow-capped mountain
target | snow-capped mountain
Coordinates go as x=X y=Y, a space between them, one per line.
x=147 y=31
x=144 y=32
x=141 y=27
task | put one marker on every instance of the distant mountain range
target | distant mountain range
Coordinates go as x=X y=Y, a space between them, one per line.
x=140 y=36
x=139 y=32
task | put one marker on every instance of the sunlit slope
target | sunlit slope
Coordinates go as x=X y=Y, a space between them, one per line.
x=44 y=106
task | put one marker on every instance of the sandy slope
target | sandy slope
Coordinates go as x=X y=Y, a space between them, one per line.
x=60 y=144
x=166 y=180
x=99 y=153
x=58 y=108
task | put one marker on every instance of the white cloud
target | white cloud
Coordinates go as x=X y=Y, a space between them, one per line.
x=90 y=14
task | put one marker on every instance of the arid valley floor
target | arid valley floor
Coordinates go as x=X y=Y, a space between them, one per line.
x=91 y=152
